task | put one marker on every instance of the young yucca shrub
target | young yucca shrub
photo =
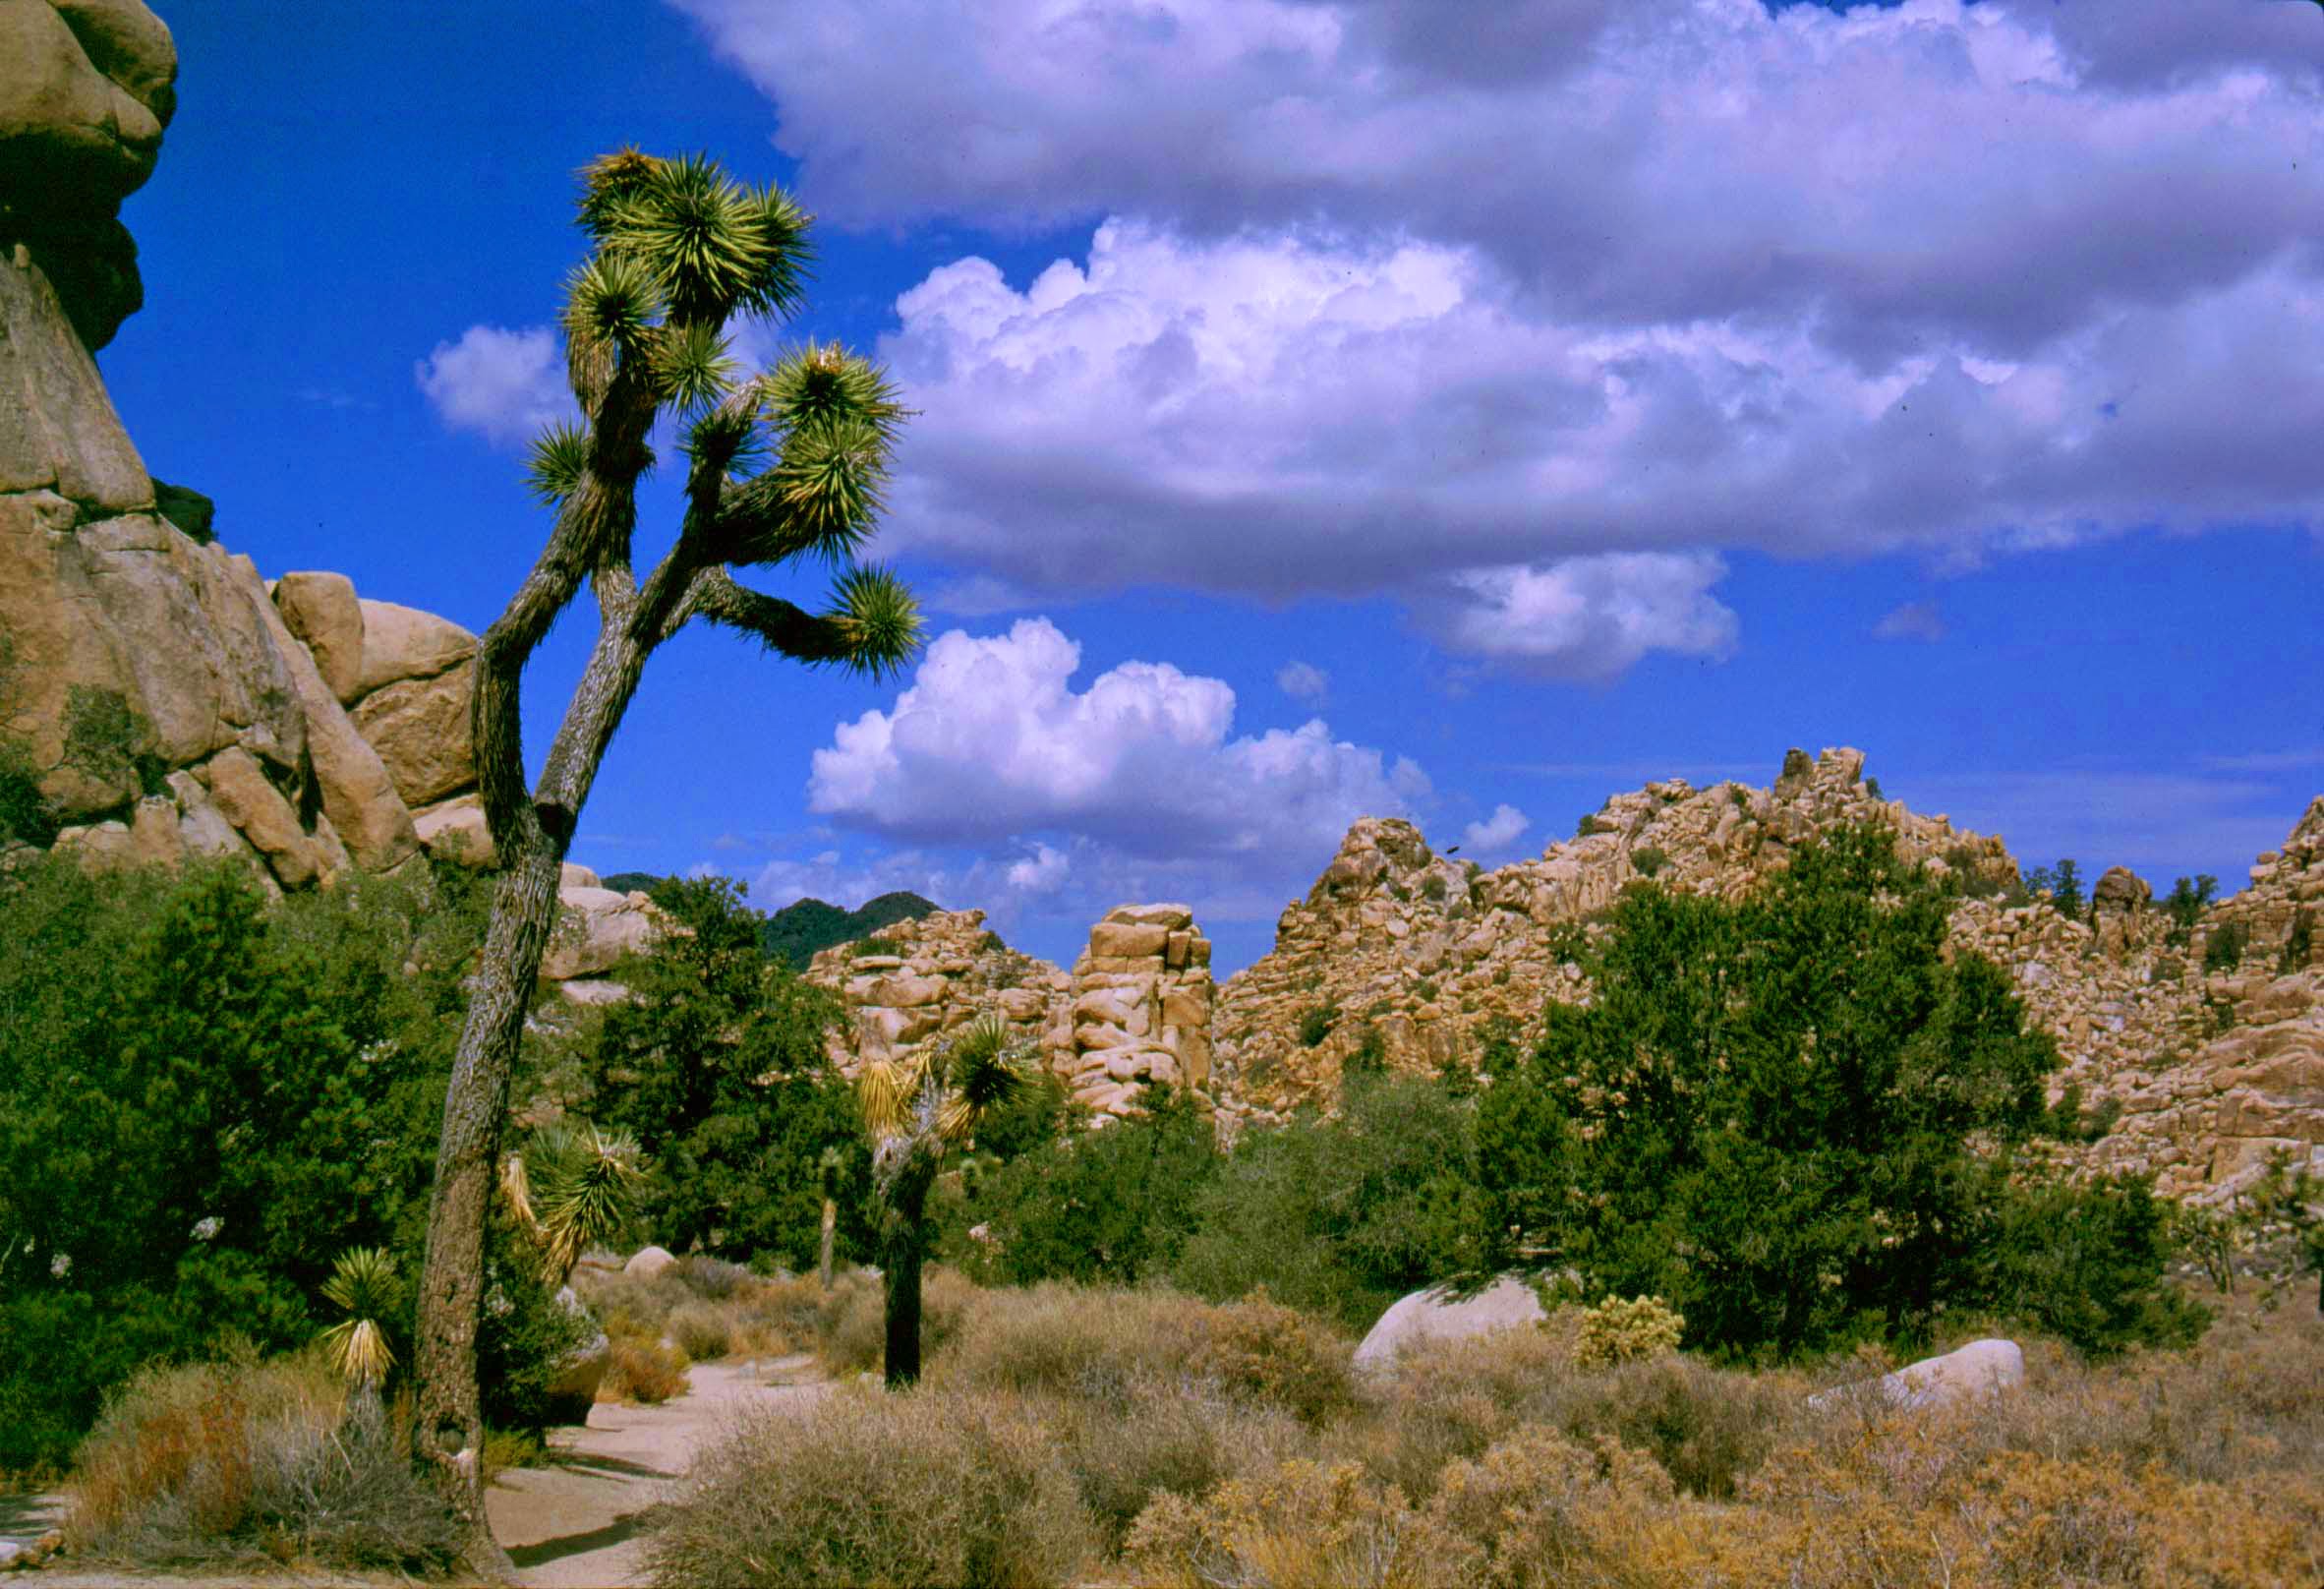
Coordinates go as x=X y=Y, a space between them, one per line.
x=924 y=1487
x=362 y=1282
x=1618 y=1331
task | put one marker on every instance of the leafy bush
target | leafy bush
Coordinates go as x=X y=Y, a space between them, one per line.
x=1434 y=887
x=1649 y=859
x=1589 y=824
x=2186 y=904
x=1342 y=1215
x=930 y=1488
x=716 y=1065
x=2224 y=946
x=1092 y=1206
x=242 y=1461
x=1618 y=1331
x=1766 y=1114
x=2085 y=1261
x=204 y=1100
x=526 y=1337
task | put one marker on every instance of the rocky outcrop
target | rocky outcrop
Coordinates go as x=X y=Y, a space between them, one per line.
x=1439 y=1314
x=85 y=89
x=596 y=929
x=1134 y=1011
x=169 y=703
x=2203 y=1072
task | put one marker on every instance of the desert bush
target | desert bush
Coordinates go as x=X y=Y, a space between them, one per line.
x=713 y=1280
x=925 y=1488
x=1618 y=1331
x=1649 y=859
x=1544 y=1510
x=853 y=1337
x=645 y=1372
x=703 y=1334
x=1304 y=1525
x=1315 y=1023
x=1341 y=1215
x=243 y=1460
x=2224 y=947
x=1260 y=1349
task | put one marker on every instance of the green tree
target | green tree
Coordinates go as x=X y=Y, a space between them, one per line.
x=1109 y=1207
x=781 y=465
x=1789 y=1118
x=717 y=1063
x=917 y=1110
x=1343 y=1214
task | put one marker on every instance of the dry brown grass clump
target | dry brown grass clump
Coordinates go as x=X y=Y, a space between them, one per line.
x=246 y=1461
x=926 y=1487
x=852 y=1329
x=705 y=1333
x=642 y=1371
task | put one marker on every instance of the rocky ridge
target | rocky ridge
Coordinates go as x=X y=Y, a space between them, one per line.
x=167 y=701
x=1133 y=1011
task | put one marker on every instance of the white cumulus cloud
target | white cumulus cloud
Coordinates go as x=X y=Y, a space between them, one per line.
x=1495 y=833
x=991 y=743
x=1911 y=621
x=1304 y=682
x=504 y=386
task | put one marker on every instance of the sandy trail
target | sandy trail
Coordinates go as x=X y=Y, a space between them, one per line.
x=580 y=1523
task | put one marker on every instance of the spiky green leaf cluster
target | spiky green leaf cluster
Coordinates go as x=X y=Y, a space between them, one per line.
x=555 y=461
x=583 y=1188
x=822 y=382
x=716 y=246
x=692 y=368
x=882 y=620
x=362 y=1282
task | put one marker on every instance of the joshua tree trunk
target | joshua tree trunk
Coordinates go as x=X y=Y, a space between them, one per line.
x=679 y=249
x=905 y=1179
x=831 y=1231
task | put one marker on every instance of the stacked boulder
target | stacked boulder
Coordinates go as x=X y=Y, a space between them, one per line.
x=1141 y=1009
x=921 y=978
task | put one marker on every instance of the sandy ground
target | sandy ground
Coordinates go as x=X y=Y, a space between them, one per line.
x=579 y=1522
x=576 y=1522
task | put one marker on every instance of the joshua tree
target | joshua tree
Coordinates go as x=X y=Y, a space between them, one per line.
x=916 y=1111
x=780 y=466
x=362 y=1283
x=581 y=1188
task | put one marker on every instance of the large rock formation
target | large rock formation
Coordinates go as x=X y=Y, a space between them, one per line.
x=1136 y=1011
x=169 y=703
x=2206 y=1072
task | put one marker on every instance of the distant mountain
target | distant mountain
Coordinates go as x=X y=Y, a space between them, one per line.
x=796 y=931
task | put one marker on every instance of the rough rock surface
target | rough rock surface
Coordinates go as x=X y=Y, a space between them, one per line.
x=1983 y=1368
x=1134 y=1011
x=648 y=1261
x=596 y=927
x=171 y=704
x=2210 y=1071
x=1436 y=1315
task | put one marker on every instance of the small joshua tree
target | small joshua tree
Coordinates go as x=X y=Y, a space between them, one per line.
x=362 y=1283
x=580 y=1187
x=917 y=1111
x=780 y=466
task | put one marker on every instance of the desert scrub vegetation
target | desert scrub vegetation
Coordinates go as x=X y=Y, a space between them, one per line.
x=1066 y=1433
x=242 y=1462
x=867 y=1488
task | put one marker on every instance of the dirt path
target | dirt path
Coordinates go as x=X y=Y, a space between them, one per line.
x=579 y=1521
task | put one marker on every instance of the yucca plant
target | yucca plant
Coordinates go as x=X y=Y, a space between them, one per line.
x=916 y=1110
x=572 y=1187
x=362 y=1284
x=783 y=463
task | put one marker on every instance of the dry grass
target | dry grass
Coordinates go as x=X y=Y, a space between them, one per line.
x=246 y=1461
x=641 y=1371
x=867 y=1488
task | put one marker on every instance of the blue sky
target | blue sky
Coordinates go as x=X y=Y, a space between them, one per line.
x=1340 y=407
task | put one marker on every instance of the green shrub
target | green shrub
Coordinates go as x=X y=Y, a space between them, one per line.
x=1618 y=1331
x=873 y=946
x=1790 y=1117
x=1589 y=824
x=1092 y=1206
x=929 y=1488
x=2186 y=904
x=1315 y=1023
x=1434 y=887
x=1649 y=859
x=1342 y=1215
x=2224 y=946
x=525 y=1337
x=110 y=741
x=2085 y=1262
